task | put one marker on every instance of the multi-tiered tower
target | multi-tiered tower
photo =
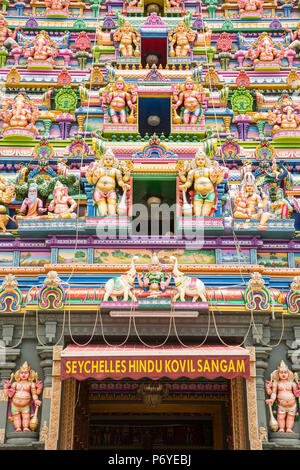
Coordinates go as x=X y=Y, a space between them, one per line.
x=149 y=222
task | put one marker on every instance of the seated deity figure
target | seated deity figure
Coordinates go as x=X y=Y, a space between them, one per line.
x=285 y=115
x=42 y=53
x=23 y=394
x=62 y=205
x=4 y=218
x=174 y=3
x=250 y=8
x=7 y=191
x=19 y=113
x=180 y=40
x=118 y=96
x=280 y=208
x=191 y=98
x=7 y=37
x=32 y=206
x=295 y=37
x=248 y=204
x=155 y=281
x=264 y=50
x=106 y=174
x=204 y=176
x=283 y=390
x=57 y=7
x=134 y=3
x=129 y=40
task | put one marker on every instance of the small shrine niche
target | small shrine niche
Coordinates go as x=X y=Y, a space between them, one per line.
x=156 y=6
x=154 y=116
x=154 y=45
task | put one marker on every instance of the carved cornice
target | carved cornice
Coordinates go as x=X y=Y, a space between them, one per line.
x=117 y=268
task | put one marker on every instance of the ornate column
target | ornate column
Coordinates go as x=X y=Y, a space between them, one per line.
x=45 y=354
x=51 y=441
x=255 y=443
x=239 y=440
x=68 y=414
x=262 y=357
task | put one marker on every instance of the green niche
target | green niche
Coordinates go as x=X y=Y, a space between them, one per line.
x=66 y=99
x=242 y=101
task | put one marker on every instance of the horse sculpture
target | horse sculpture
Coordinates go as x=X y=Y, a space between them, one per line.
x=122 y=285
x=187 y=286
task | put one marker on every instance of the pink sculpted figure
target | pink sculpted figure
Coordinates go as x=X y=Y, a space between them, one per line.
x=134 y=3
x=264 y=50
x=174 y=3
x=7 y=37
x=191 y=97
x=32 y=206
x=62 y=205
x=20 y=113
x=285 y=115
x=23 y=393
x=117 y=96
x=57 y=5
x=43 y=50
x=284 y=389
x=250 y=6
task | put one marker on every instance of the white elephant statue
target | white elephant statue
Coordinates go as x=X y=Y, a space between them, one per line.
x=121 y=285
x=187 y=286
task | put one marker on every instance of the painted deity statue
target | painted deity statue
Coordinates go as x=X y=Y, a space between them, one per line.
x=57 y=6
x=62 y=205
x=42 y=53
x=280 y=208
x=283 y=390
x=180 y=40
x=155 y=280
x=174 y=3
x=106 y=174
x=285 y=115
x=204 y=176
x=190 y=97
x=265 y=51
x=248 y=204
x=250 y=8
x=23 y=393
x=7 y=195
x=7 y=37
x=134 y=3
x=129 y=40
x=19 y=113
x=295 y=36
x=7 y=191
x=32 y=206
x=4 y=218
x=118 y=97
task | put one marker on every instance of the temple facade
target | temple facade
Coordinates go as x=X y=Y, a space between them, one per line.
x=149 y=225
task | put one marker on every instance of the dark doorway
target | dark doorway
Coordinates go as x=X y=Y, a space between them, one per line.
x=151 y=48
x=154 y=116
x=158 y=197
x=152 y=432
